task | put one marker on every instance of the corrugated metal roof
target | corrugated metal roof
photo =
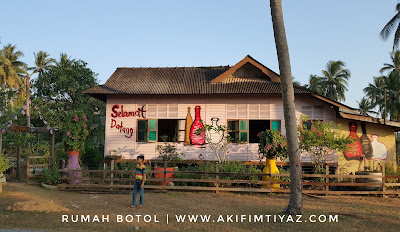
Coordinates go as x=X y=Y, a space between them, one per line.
x=183 y=80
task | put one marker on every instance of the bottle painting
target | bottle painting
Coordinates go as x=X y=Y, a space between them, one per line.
x=355 y=150
x=366 y=143
x=197 y=124
x=215 y=136
x=188 y=124
x=380 y=151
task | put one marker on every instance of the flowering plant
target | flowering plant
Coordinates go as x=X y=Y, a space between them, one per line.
x=320 y=139
x=75 y=130
x=272 y=144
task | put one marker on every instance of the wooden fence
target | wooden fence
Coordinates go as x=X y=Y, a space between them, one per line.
x=105 y=180
x=34 y=168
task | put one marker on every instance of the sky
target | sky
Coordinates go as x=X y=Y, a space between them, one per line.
x=111 y=34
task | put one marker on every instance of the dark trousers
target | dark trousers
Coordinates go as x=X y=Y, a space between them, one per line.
x=137 y=187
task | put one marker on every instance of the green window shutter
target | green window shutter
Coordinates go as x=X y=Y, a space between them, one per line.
x=152 y=130
x=141 y=132
x=276 y=125
x=244 y=131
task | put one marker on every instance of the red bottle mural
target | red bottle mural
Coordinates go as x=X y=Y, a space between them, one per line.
x=197 y=124
x=355 y=150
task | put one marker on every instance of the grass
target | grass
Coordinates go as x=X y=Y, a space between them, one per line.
x=355 y=213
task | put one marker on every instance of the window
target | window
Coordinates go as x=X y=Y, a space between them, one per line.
x=167 y=130
x=246 y=131
x=238 y=130
x=314 y=112
x=146 y=130
x=153 y=130
x=255 y=127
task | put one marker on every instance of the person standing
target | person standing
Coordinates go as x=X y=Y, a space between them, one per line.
x=140 y=178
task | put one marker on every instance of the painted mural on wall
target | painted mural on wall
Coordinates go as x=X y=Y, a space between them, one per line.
x=119 y=112
x=197 y=124
x=364 y=147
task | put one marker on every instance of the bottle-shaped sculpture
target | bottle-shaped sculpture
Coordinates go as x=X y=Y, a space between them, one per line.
x=380 y=151
x=215 y=135
x=366 y=143
x=188 y=124
x=197 y=124
x=355 y=149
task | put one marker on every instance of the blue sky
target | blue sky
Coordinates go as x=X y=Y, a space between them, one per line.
x=111 y=34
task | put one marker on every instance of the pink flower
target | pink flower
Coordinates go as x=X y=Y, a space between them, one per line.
x=76 y=118
x=73 y=137
x=68 y=133
x=268 y=147
x=84 y=126
x=84 y=117
x=259 y=135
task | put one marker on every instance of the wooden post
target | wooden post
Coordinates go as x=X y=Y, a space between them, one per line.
x=27 y=169
x=217 y=176
x=104 y=168
x=327 y=178
x=112 y=173
x=383 y=180
x=52 y=148
x=165 y=175
x=62 y=168
x=18 y=163
x=270 y=179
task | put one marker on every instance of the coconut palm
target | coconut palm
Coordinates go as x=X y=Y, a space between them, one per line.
x=393 y=24
x=42 y=62
x=395 y=65
x=12 y=72
x=376 y=92
x=295 y=203
x=365 y=107
x=315 y=84
x=334 y=80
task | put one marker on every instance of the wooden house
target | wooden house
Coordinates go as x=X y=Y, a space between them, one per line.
x=145 y=104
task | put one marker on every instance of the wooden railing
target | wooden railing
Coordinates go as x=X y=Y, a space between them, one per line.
x=112 y=180
x=34 y=176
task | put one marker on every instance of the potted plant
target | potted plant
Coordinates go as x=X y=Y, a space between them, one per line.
x=272 y=145
x=74 y=139
x=5 y=163
x=167 y=152
x=51 y=177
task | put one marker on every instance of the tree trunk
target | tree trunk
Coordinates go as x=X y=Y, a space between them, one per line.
x=295 y=205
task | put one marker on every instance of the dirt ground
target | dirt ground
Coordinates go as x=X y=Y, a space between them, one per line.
x=24 y=207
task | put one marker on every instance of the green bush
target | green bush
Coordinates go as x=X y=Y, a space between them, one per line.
x=51 y=175
x=5 y=163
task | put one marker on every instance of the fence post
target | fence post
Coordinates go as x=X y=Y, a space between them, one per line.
x=327 y=179
x=383 y=180
x=52 y=148
x=270 y=179
x=217 y=176
x=27 y=169
x=165 y=175
x=104 y=168
x=18 y=163
x=112 y=173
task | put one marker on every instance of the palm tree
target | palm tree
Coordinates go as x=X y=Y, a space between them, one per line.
x=295 y=205
x=395 y=65
x=315 y=84
x=376 y=92
x=12 y=72
x=393 y=24
x=42 y=62
x=365 y=107
x=334 y=80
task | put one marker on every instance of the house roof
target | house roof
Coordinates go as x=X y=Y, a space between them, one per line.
x=247 y=77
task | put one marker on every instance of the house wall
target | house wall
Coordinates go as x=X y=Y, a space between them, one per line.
x=224 y=107
x=383 y=148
